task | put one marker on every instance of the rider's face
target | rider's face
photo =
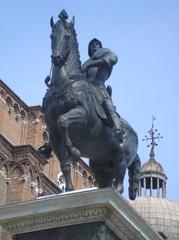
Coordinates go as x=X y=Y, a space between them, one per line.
x=95 y=45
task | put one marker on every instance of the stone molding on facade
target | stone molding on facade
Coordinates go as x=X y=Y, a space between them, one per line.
x=21 y=154
x=48 y=187
x=30 y=164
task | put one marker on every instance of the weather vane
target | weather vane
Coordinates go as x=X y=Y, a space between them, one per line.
x=153 y=135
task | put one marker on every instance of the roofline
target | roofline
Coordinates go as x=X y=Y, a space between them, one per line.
x=18 y=99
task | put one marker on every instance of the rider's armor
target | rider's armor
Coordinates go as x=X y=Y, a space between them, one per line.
x=97 y=76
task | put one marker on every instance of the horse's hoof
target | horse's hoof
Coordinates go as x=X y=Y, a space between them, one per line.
x=132 y=196
x=69 y=188
x=75 y=153
x=120 y=188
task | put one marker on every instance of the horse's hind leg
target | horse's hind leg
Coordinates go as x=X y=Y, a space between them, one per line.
x=119 y=165
x=103 y=173
x=65 y=163
x=75 y=116
x=134 y=177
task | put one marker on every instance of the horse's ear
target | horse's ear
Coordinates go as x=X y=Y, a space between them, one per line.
x=51 y=22
x=72 y=23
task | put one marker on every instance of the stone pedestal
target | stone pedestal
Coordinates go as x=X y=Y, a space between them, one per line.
x=79 y=215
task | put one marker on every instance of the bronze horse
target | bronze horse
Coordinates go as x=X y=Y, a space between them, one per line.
x=74 y=125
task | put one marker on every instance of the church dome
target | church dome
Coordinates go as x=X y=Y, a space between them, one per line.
x=152 y=166
x=162 y=214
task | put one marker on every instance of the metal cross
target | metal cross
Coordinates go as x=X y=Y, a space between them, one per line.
x=152 y=135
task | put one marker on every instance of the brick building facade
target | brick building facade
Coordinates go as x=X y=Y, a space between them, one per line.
x=24 y=173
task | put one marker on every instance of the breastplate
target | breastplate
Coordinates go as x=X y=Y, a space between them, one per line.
x=98 y=74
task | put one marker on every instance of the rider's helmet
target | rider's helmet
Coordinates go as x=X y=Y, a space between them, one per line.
x=91 y=43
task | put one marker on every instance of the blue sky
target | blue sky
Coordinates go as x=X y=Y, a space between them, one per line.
x=144 y=34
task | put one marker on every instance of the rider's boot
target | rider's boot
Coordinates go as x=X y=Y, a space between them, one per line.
x=115 y=118
x=118 y=133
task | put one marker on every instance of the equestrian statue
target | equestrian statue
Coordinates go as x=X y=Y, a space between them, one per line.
x=81 y=118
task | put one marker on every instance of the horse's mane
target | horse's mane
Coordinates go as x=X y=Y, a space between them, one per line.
x=77 y=46
x=73 y=63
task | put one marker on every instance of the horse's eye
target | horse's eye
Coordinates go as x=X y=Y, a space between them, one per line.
x=68 y=30
x=68 y=33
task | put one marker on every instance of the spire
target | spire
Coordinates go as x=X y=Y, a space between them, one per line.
x=153 y=136
x=152 y=176
x=152 y=154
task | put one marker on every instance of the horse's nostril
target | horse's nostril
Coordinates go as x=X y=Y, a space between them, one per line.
x=55 y=56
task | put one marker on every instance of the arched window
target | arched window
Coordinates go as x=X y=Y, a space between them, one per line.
x=45 y=136
x=9 y=102
x=23 y=115
x=16 y=108
x=84 y=174
x=80 y=168
x=90 y=180
x=42 y=119
x=2 y=94
x=31 y=117
x=17 y=111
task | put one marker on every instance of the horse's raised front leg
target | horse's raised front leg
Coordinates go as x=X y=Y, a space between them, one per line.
x=65 y=164
x=76 y=116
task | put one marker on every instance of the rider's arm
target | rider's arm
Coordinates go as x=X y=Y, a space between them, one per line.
x=93 y=63
x=107 y=60
x=97 y=62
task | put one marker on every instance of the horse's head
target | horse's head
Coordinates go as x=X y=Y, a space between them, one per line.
x=60 y=38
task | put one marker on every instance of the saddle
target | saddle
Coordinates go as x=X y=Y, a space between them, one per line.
x=98 y=100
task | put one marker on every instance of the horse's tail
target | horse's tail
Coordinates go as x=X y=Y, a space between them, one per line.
x=134 y=176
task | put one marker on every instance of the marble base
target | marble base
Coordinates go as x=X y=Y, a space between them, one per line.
x=86 y=231
x=98 y=214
